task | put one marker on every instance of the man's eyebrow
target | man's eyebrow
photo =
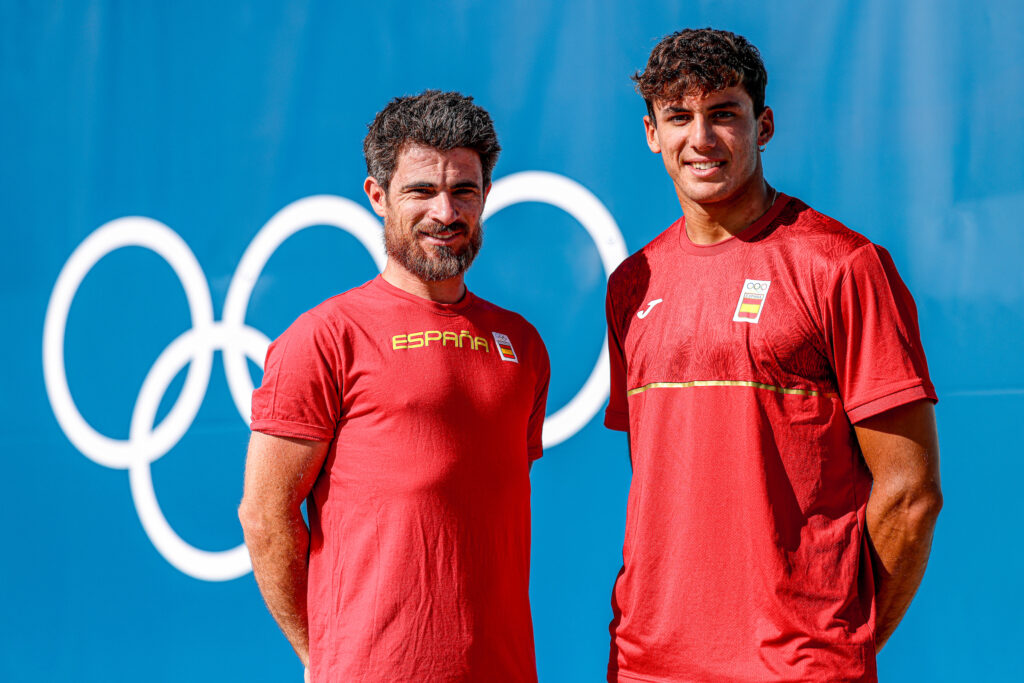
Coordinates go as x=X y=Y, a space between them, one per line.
x=418 y=184
x=670 y=109
x=427 y=185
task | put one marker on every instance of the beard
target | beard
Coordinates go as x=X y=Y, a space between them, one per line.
x=432 y=263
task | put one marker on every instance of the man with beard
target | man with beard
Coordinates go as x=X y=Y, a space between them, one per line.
x=407 y=412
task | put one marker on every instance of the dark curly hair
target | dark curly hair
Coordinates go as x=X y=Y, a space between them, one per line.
x=701 y=61
x=442 y=120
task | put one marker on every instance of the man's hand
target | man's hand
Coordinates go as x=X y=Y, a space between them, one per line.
x=279 y=473
x=901 y=448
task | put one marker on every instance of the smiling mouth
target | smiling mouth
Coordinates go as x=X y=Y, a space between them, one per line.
x=442 y=236
x=705 y=165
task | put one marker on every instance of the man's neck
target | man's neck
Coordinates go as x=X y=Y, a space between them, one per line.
x=447 y=291
x=716 y=221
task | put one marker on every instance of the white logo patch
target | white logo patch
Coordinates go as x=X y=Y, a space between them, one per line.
x=505 y=349
x=751 y=303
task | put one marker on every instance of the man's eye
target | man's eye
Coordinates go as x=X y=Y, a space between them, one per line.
x=724 y=115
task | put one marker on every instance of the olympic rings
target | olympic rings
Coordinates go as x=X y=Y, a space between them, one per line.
x=238 y=342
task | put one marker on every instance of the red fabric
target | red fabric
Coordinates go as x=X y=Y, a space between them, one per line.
x=745 y=554
x=420 y=521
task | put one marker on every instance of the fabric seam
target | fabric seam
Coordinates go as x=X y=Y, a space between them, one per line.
x=257 y=426
x=900 y=388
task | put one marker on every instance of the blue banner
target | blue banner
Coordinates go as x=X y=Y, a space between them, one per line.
x=181 y=180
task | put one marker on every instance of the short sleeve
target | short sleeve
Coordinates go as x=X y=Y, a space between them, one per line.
x=875 y=341
x=535 y=429
x=616 y=415
x=300 y=394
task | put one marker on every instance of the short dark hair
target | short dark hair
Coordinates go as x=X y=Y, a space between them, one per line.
x=442 y=120
x=701 y=61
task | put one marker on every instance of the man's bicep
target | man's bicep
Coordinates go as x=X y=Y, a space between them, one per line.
x=281 y=470
x=901 y=445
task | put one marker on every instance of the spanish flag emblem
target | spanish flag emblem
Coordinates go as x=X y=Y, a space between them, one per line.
x=505 y=349
x=751 y=303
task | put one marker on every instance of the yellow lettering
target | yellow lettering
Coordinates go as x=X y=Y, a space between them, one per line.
x=415 y=340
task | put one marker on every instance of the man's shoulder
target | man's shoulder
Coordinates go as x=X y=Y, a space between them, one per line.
x=511 y=327
x=331 y=316
x=812 y=231
x=637 y=266
x=505 y=316
x=344 y=305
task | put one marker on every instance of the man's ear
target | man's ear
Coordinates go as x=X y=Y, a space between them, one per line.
x=376 y=194
x=651 y=129
x=765 y=126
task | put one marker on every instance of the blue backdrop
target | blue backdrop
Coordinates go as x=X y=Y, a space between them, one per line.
x=207 y=119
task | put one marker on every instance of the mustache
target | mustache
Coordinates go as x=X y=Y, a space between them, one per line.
x=433 y=227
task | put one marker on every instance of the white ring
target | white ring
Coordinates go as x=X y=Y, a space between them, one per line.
x=581 y=204
x=126 y=232
x=201 y=564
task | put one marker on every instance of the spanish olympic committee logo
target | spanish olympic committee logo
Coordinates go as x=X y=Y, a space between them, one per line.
x=237 y=341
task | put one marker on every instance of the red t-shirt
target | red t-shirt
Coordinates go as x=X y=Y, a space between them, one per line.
x=420 y=520
x=737 y=369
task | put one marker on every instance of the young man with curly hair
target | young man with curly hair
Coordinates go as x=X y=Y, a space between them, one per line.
x=407 y=412
x=767 y=366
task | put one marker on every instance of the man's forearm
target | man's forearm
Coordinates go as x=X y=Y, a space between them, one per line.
x=279 y=547
x=900 y=527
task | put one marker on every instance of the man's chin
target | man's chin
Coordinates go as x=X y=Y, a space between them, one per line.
x=708 y=194
x=430 y=250
x=434 y=262
x=439 y=263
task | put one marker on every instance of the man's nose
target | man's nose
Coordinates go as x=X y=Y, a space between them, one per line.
x=702 y=134
x=442 y=209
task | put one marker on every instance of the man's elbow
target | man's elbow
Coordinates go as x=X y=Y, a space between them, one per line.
x=254 y=521
x=264 y=520
x=923 y=505
x=931 y=501
x=916 y=502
